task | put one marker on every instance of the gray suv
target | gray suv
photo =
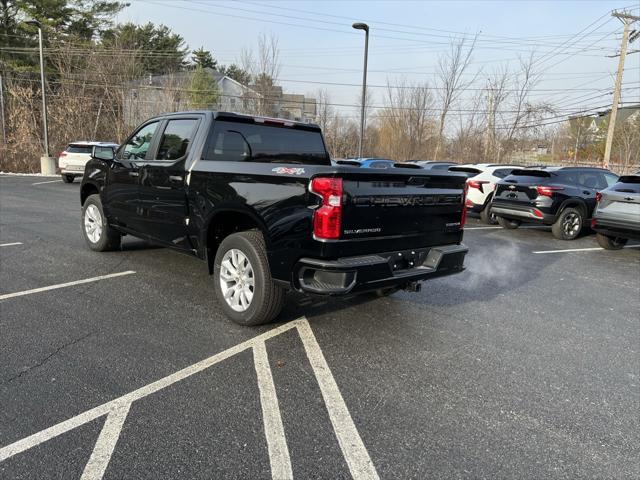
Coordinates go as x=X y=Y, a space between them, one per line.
x=616 y=218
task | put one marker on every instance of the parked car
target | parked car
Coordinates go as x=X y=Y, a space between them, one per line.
x=616 y=218
x=374 y=162
x=563 y=197
x=480 y=190
x=71 y=160
x=260 y=201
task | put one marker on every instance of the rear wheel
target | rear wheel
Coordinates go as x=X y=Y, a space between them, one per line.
x=508 y=223
x=243 y=283
x=68 y=178
x=610 y=243
x=487 y=216
x=568 y=225
x=95 y=229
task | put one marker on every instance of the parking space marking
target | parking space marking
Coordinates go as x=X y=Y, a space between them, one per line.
x=351 y=444
x=49 y=181
x=271 y=417
x=64 y=285
x=10 y=244
x=106 y=443
x=353 y=449
x=591 y=249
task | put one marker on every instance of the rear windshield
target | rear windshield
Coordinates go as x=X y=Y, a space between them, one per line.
x=245 y=142
x=73 y=148
x=502 y=172
x=464 y=169
x=629 y=179
x=530 y=173
x=628 y=184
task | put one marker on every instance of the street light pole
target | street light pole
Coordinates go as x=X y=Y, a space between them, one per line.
x=365 y=27
x=36 y=23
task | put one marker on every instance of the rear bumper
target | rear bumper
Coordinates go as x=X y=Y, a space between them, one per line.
x=518 y=212
x=616 y=228
x=372 y=272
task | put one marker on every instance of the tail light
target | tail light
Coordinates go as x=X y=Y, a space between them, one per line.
x=463 y=217
x=477 y=184
x=594 y=223
x=62 y=154
x=598 y=196
x=547 y=191
x=327 y=220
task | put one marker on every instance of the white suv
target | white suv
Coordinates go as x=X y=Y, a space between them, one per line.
x=480 y=189
x=72 y=159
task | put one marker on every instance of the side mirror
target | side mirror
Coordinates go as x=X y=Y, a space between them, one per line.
x=103 y=153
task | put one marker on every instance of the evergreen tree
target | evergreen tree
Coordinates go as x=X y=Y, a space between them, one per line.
x=237 y=73
x=203 y=58
x=203 y=90
x=161 y=50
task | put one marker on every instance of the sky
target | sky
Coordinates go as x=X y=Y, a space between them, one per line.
x=571 y=41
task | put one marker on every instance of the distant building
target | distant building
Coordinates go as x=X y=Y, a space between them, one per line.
x=598 y=122
x=157 y=94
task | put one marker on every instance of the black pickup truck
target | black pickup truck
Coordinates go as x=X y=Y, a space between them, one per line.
x=261 y=202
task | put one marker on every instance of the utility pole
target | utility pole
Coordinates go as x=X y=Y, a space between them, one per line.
x=627 y=19
x=490 y=127
x=4 y=129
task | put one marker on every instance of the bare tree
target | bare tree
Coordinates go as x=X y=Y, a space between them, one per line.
x=264 y=68
x=406 y=124
x=450 y=80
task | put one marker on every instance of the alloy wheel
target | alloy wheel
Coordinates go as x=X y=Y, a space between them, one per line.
x=237 y=280
x=571 y=224
x=93 y=223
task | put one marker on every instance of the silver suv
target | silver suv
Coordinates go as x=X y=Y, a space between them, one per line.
x=616 y=218
x=72 y=159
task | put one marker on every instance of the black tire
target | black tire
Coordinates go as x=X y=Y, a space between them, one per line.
x=508 y=223
x=487 y=217
x=109 y=238
x=610 y=243
x=268 y=298
x=569 y=224
x=68 y=178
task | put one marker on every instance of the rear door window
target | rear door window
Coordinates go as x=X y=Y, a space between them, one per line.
x=176 y=138
x=245 y=142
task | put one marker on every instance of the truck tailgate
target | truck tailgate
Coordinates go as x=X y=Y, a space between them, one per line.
x=400 y=210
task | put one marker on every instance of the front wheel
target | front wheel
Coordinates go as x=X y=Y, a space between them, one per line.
x=568 y=225
x=95 y=229
x=244 y=287
x=508 y=224
x=68 y=178
x=610 y=243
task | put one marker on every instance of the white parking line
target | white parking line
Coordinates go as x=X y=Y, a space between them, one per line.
x=481 y=228
x=353 y=449
x=10 y=244
x=106 y=443
x=50 y=181
x=64 y=285
x=273 y=429
x=591 y=249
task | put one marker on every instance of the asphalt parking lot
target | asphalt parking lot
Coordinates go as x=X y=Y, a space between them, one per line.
x=121 y=365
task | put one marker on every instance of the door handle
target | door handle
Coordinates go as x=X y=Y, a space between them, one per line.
x=134 y=174
x=175 y=178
